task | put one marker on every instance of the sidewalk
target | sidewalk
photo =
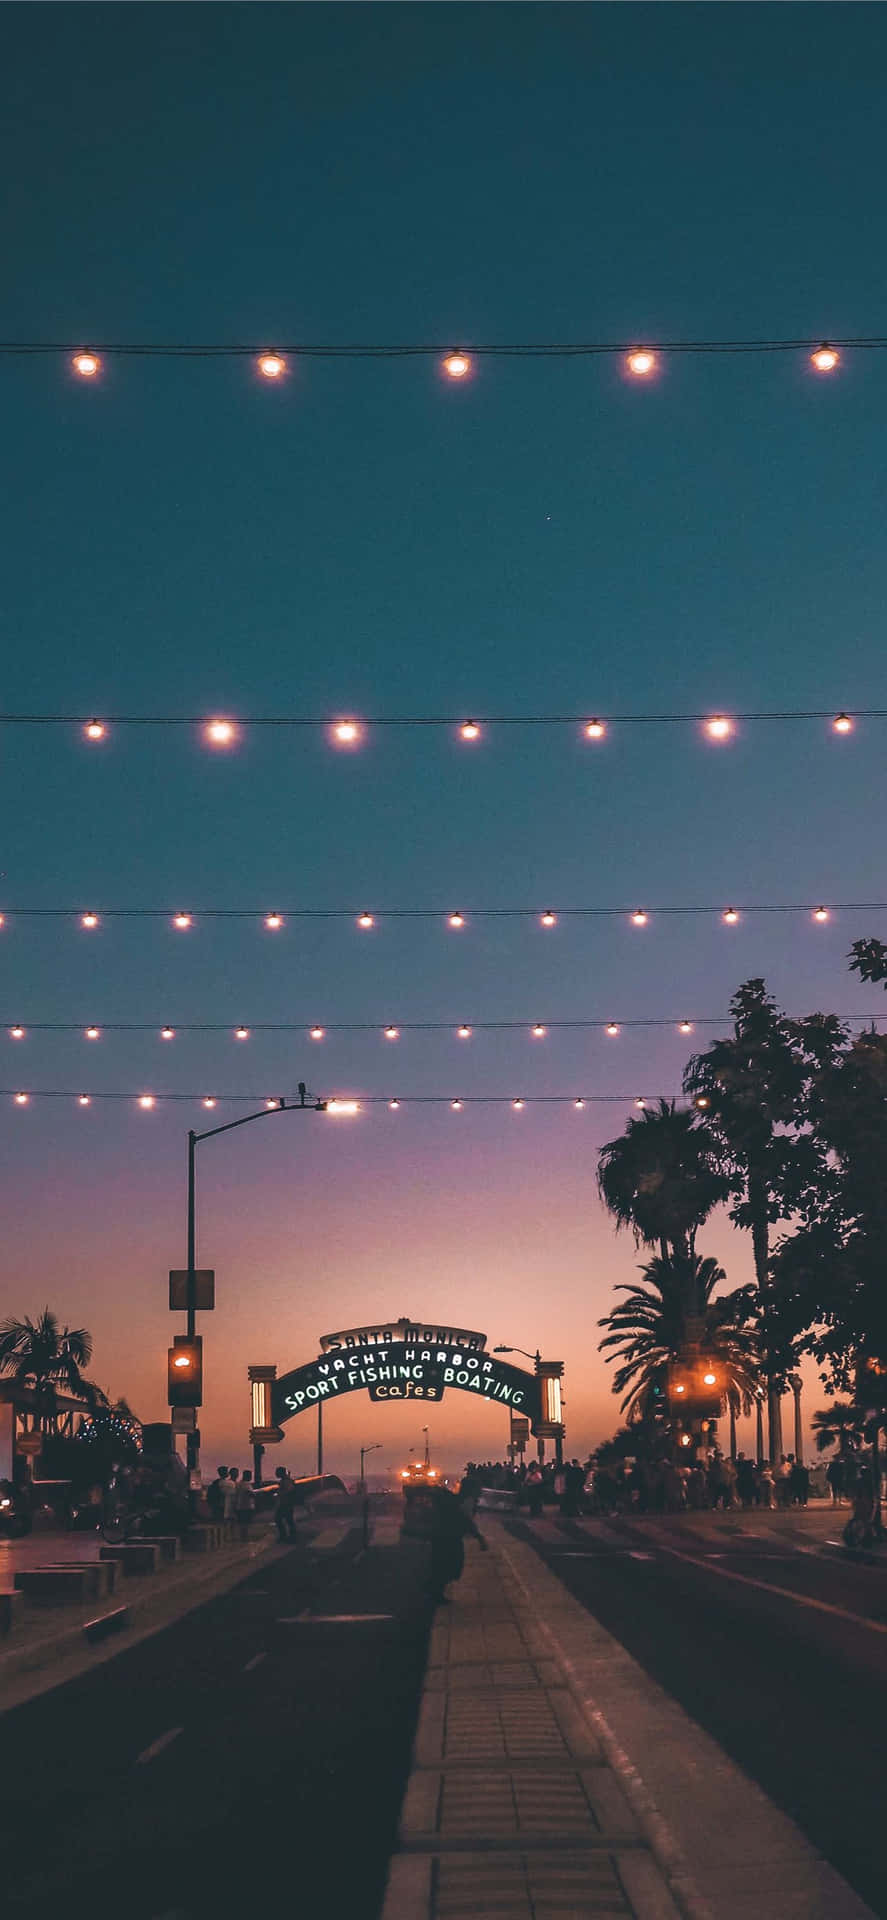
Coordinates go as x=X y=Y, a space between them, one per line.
x=554 y=1780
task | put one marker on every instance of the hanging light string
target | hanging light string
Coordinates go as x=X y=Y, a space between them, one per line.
x=341 y=1103
x=367 y=920
x=96 y=351
x=538 y=1030
x=225 y=731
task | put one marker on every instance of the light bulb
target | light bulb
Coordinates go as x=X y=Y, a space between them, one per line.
x=167 y=1033
x=578 y=1104
x=21 y=1099
x=241 y=1033
x=464 y=1033
x=2 y=919
x=220 y=733
x=342 y=1106
x=87 y=365
x=271 y=365
x=457 y=365
x=612 y=1029
x=821 y=914
x=640 y=1103
x=93 y=1033
x=182 y=921
x=346 y=733
x=730 y=917
x=842 y=723
x=469 y=730
x=685 y=1026
x=273 y=921
x=539 y=1032
x=708 y=1379
x=95 y=730
x=456 y=920
x=641 y=362
x=392 y=1033
x=825 y=359
x=393 y=1106
x=318 y=1033
x=594 y=730
x=685 y=1437
x=209 y=1102
x=272 y=1103
x=146 y=1100
x=719 y=727
x=518 y=1105
x=548 y=919
x=83 y=1100
x=89 y=919
x=639 y=918
x=456 y=1106
x=702 y=1101
x=365 y=920
x=17 y=1033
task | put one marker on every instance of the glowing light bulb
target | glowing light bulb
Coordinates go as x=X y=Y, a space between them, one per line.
x=2 y=919
x=464 y=1033
x=271 y=365
x=273 y=921
x=393 y=1106
x=708 y=1379
x=392 y=1033
x=220 y=733
x=21 y=1099
x=456 y=920
x=825 y=359
x=346 y=733
x=641 y=362
x=457 y=365
x=84 y=1100
x=272 y=1103
x=89 y=919
x=167 y=1033
x=579 y=1104
x=702 y=1101
x=209 y=1102
x=342 y=1106
x=518 y=1106
x=612 y=1029
x=719 y=727
x=685 y=1026
x=318 y=1033
x=456 y=1106
x=365 y=920
x=842 y=723
x=182 y=921
x=17 y=1033
x=146 y=1100
x=594 y=730
x=241 y=1033
x=469 y=730
x=821 y=915
x=539 y=1032
x=640 y=1103
x=93 y=1033
x=685 y=1437
x=87 y=365
x=95 y=730
x=639 y=918
x=548 y=919
x=730 y=917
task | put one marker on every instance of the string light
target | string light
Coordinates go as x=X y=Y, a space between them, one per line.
x=17 y=1033
x=393 y=1106
x=455 y=361
x=457 y=365
x=271 y=365
x=539 y=1033
x=274 y=921
x=2 y=920
x=719 y=727
x=612 y=1029
x=318 y=1033
x=87 y=365
x=89 y=920
x=594 y=730
x=518 y=1105
x=209 y=1101
x=548 y=919
x=456 y=920
x=392 y=1033
x=821 y=914
x=182 y=921
x=639 y=918
x=730 y=917
x=842 y=723
x=825 y=359
x=640 y=1103
x=579 y=1104
x=241 y=1033
x=93 y=1033
x=342 y=1106
x=167 y=1033
x=21 y=1099
x=346 y=733
x=95 y=730
x=271 y=1104
x=220 y=733
x=685 y=1026
x=365 y=920
x=469 y=730
x=348 y=1105
x=641 y=363
x=456 y=1106
x=146 y=1100
x=702 y=1101
x=83 y=1100
x=464 y=1033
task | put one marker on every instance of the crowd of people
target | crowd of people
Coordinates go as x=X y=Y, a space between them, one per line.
x=711 y=1480
x=231 y=1496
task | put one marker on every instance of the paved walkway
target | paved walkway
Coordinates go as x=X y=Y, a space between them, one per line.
x=511 y=1808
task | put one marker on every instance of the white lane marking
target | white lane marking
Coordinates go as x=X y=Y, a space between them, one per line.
x=640 y=1556
x=157 y=1746
x=295 y=1621
x=767 y=1586
x=254 y=1662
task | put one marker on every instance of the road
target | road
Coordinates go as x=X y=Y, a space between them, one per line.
x=254 y=1752
x=774 y=1644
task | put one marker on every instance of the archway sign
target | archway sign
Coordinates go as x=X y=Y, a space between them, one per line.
x=401 y=1360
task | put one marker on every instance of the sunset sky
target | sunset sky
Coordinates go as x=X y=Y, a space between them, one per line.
x=369 y=538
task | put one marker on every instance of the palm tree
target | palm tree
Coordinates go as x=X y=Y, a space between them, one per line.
x=660 y=1178
x=839 y=1425
x=41 y=1355
x=649 y=1330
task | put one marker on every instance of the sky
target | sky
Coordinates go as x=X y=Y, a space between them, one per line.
x=369 y=538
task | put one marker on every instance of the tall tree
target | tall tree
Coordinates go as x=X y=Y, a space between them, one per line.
x=660 y=1179
x=649 y=1329
x=44 y=1356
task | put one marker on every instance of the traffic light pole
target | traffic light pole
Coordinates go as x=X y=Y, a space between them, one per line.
x=302 y=1105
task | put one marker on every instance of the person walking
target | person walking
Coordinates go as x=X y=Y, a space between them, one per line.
x=215 y=1496
x=534 y=1488
x=449 y=1523
x=244 y=1505
x=285 y=1509
x=837 y=1480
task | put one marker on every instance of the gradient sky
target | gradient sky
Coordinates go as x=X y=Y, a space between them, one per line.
x=183 y=537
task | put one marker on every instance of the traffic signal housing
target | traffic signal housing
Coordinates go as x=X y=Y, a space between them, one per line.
x=185 y=1371
x=695 y=1389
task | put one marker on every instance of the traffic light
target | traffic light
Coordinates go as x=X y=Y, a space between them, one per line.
x=185 y=1371
x=696 y=1388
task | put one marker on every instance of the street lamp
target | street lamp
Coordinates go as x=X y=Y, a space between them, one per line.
x=535 y=1357
x=302 y=1105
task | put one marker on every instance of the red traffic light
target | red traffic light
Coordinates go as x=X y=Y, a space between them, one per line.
x=185 y=1371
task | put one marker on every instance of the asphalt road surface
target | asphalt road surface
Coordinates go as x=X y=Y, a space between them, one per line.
x=251 y=1756
x=792 y=1683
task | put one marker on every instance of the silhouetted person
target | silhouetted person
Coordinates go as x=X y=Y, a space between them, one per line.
x=449 y=1525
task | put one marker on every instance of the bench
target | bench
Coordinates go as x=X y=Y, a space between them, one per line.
x=134 y=1556
x=68 y=1584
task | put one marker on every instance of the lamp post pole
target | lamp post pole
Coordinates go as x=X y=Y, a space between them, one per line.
x=302 y=1105
x=363 y=1488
